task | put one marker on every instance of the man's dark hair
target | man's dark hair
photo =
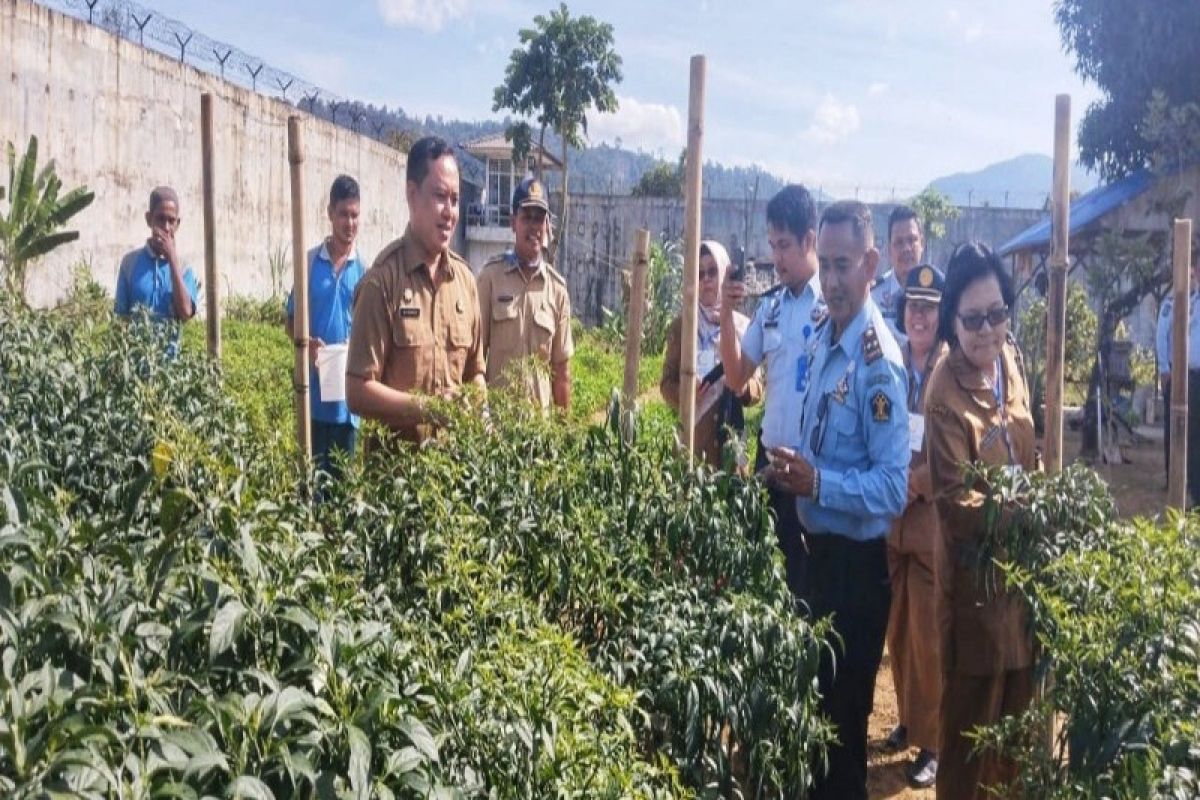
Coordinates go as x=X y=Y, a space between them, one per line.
x=792 y=209
x=901 y=214
x=970 y=263
x=344 y=188
x=160 y=195
x=857 y=214
x=423 y=153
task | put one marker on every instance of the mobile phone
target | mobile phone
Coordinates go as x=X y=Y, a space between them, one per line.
x=736 y=273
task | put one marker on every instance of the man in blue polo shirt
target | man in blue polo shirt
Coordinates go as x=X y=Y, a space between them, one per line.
x=334 y=270
x=154 y=276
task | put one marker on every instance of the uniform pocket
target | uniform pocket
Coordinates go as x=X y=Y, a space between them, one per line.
x=411 y=329
x=543 y=331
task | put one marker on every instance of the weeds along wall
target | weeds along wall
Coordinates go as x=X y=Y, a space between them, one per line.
x=121 y=119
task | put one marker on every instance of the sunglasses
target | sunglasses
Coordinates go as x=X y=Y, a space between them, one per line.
x=994 y=318
x=712 y=273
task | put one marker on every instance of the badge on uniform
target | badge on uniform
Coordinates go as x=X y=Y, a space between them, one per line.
x=504 y=298
x=872 y=351
x=410 y=312
x=842 y=389
x=458 y=306
x=818 y=314
x=408 y=296
x=802 y=372
x=881 y=407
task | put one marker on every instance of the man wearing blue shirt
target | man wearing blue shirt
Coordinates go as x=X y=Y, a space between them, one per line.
x=906 y=247
x=153 y=275
x=850 y=478
x=778 y=336
x=334 y=270
x=1162 y=350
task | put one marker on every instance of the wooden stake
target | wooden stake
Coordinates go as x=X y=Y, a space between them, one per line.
x=300 y=292
x=637 y=310
x=691 y=251
x=211 y=286
x=1056 y=304
x=1177 y=477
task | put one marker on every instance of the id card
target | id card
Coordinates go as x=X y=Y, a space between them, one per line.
x=916 y=432
x=802 y=372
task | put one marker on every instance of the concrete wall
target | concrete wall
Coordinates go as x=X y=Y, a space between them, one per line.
x=120 y=119
x=602 y=229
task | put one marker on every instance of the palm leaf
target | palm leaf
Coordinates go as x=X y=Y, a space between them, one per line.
x=44 y=244
x=23 y=197
x=71 y=204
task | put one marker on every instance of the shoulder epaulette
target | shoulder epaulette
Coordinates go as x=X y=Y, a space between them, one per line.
x=880 y=280
x=555 y=275
x=872 y=351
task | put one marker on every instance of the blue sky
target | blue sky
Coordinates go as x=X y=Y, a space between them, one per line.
x=843 y=94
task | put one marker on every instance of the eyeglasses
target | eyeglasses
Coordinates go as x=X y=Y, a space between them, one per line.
x=712 y=273
x=994 y=318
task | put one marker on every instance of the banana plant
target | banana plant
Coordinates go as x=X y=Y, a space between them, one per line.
x=31 y=225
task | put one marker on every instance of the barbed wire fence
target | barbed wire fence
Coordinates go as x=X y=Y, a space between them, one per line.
x=156 y=31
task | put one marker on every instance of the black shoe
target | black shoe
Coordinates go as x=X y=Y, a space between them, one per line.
x=897 y=740
x=923 y=772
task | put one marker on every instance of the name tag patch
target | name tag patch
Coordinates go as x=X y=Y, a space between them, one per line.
x=410 y=313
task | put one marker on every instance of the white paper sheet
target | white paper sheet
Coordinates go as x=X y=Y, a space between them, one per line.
x=916 y=432
x=331 y=372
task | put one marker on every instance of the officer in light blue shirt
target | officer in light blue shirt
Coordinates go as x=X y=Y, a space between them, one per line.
x=1162 y=350
x=850 y=478
x=906 y=247
x=778 y=338
x=334 y=270
x=153 y=275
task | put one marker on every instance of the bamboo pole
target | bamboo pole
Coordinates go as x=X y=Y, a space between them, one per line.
x=691 y=251
x=636 y=313
x=300 y=292
x=211 y=286
x=1177 y=478
x=1056 y=304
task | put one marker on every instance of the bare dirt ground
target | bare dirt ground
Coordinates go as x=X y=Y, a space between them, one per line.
x=1140 y=489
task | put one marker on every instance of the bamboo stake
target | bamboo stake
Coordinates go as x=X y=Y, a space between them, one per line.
x=211 y=286
x=1177 y=478
x=691 y=251
x=1056 y=304
x=300 y=292
x=636 y=313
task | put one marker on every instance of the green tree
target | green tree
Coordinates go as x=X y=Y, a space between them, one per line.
x=1078 y=348
x=934 y=210
x=662 y=180
x=1130 y=49
x=30 y=226
x=564 y=67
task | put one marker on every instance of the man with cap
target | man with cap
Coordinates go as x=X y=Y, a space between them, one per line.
x=415 y=331
x=850 y=480
x=153 y=275
x=778 y=336
x=525 y=308
x=906 y=247
x=913 y=544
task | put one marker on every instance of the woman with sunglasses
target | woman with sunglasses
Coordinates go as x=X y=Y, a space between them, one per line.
x=912 y=636
x=978 y=411
x=717 y=408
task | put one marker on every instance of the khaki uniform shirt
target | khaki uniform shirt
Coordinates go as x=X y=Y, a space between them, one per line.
x=981 y=634
x=524 y=316
x=410 y=337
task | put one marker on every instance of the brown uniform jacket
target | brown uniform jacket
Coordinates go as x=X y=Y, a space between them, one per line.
x=524 y=317
x=707 y=446
x=980 y=636
x=406 y=335
x=916 y=530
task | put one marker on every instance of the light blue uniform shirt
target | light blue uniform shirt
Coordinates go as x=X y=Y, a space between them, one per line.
x=144 y=279
x=886 y=293
x=854 y=430
x=779 y=333
x=330 y=300
x=1162 y=337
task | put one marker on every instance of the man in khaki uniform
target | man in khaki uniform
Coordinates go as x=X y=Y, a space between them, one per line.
x=525 y=307
x=415 y=329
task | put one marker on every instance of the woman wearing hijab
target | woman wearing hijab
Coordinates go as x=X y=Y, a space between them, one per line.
x=912 y=562
x=717 y=408
x=978 y=411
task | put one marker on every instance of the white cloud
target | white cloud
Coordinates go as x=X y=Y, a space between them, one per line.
x=877 y=88
x=649 y=126
x=427 y=15
x=833 y=121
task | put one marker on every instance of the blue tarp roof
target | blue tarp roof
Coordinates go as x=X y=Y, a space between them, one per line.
x=1084 y=211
